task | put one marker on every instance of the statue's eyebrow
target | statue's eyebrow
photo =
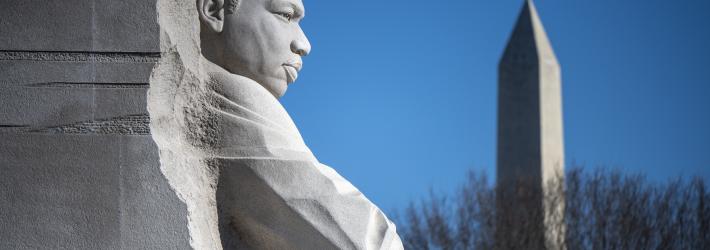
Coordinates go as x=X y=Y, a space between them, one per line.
x=298 y=9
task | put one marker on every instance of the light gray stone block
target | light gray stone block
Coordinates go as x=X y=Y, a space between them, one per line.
x=86 y=192
x=17 y=72
x=79 y=25
x=61 y=104
x=152 y=217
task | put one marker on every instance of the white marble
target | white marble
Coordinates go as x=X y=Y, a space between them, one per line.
x=229 y=148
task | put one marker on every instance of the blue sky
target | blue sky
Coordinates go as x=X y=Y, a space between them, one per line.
x=399 y=96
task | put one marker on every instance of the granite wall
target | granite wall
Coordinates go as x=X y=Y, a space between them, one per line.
x=78 y=166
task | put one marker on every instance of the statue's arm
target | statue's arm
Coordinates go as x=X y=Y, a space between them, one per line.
x=272 y=192
x=300 y=204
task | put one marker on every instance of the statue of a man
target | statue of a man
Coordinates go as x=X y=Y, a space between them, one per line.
x=272 y=193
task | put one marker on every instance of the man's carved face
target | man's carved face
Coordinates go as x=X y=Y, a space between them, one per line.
x=264 y=42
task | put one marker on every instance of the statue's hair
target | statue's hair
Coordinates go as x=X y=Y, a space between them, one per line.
x=231 y=6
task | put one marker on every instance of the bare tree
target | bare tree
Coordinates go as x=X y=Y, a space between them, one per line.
x=465 y=221
x=603 y=209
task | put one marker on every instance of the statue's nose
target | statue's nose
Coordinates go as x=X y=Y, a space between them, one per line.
x=301 y=45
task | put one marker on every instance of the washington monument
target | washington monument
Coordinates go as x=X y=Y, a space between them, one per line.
x=530 y=139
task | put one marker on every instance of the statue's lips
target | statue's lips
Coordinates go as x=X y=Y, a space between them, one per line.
x=292 y=71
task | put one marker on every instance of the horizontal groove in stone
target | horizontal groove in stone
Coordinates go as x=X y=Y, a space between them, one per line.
x=14 y=129
x=122 y=125
x=56 y=56
x=86 y=85
x=23 y=72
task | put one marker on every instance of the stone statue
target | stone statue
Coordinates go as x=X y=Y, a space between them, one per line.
x=271 y=191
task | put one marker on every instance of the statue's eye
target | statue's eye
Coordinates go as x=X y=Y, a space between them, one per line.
x=287 y=16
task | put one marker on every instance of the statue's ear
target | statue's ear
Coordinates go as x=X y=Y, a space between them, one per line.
x=211 y=14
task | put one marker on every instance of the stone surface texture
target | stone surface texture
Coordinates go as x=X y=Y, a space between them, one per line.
x=78 y=166
x=530 y=134
x=228 y=147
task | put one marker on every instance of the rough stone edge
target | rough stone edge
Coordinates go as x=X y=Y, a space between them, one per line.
x=174 y=98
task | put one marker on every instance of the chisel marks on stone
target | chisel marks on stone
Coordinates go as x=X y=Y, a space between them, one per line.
x=122 y=125
x=102 y=57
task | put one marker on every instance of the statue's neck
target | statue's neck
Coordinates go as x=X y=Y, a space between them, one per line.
x=246 y=111
x=211 y=49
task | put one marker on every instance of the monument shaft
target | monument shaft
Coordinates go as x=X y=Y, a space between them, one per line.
x=530 y=139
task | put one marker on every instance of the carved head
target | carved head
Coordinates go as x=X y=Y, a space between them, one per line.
x=258 y=39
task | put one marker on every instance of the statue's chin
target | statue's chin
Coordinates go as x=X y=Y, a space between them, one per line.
x=277 y=87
